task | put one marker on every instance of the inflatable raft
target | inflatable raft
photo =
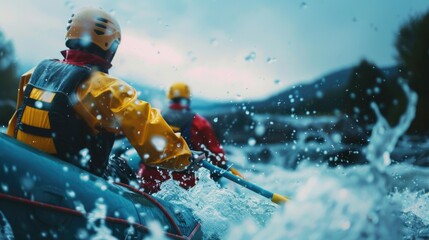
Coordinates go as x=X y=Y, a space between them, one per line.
x=44 y=197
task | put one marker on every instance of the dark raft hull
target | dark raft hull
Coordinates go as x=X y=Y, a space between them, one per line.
x=44 y=197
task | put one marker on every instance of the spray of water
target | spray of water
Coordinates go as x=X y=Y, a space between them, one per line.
x=384 y=138
x=341 y=203
x=217 y=208
x=96 y=223
x=6 y=232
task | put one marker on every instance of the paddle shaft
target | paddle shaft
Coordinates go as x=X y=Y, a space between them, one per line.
x=224 y=173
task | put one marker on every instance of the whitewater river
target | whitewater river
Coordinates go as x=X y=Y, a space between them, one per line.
x=326 y=203
x=378 y=200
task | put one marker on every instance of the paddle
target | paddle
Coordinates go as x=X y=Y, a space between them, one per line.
x=236 y=172
x=274 y=197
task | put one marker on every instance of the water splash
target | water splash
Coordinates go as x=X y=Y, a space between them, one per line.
x=85 y=157
x=415 y=213
x=344 y=204
x=6 y=232
x=156 y=231
x=332 y=206
x=384 y=137
x=217 y=208
x=416 y=203
x=97 y=223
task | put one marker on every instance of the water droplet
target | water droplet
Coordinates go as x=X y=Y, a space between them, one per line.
x=271 y=60
x=159 y=143
x=131 y=219
x=214 y=42
x=5 y=187
x=216 y=119
x=303 y=5
x=70 y=5
x=71 y=193
x=82 y=234
x=103 y=187
x=251 y=142
x=99 y=117
x=38 y=104
x=376 y=90
x=260 y=130
x=84 y=177
x=85 y=39
x=277 y=81
x=27 y=183
x=386 y=159
x=251 y=57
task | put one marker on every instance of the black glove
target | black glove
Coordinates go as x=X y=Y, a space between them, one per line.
x=118 y=170
x=195 y=160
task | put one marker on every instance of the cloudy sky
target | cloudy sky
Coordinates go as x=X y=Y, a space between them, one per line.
x=225 y=49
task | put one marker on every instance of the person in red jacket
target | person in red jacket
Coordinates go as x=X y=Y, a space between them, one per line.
x=197 y=132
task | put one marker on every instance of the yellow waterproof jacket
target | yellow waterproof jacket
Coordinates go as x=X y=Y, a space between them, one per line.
x=107 y=103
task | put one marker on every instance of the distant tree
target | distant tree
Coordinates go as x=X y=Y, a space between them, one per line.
x=412 y=45
x=8 y=79
x=364 y=87
x=395 y=100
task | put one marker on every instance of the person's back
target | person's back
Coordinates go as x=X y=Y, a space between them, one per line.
x=73 y=108
x=197 y=132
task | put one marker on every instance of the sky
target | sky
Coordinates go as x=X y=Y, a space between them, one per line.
x=224 y=49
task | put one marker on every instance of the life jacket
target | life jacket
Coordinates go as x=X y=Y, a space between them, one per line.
x=180 y=120
x=47 y=120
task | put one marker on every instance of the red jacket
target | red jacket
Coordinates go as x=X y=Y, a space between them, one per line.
x=202 y=138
